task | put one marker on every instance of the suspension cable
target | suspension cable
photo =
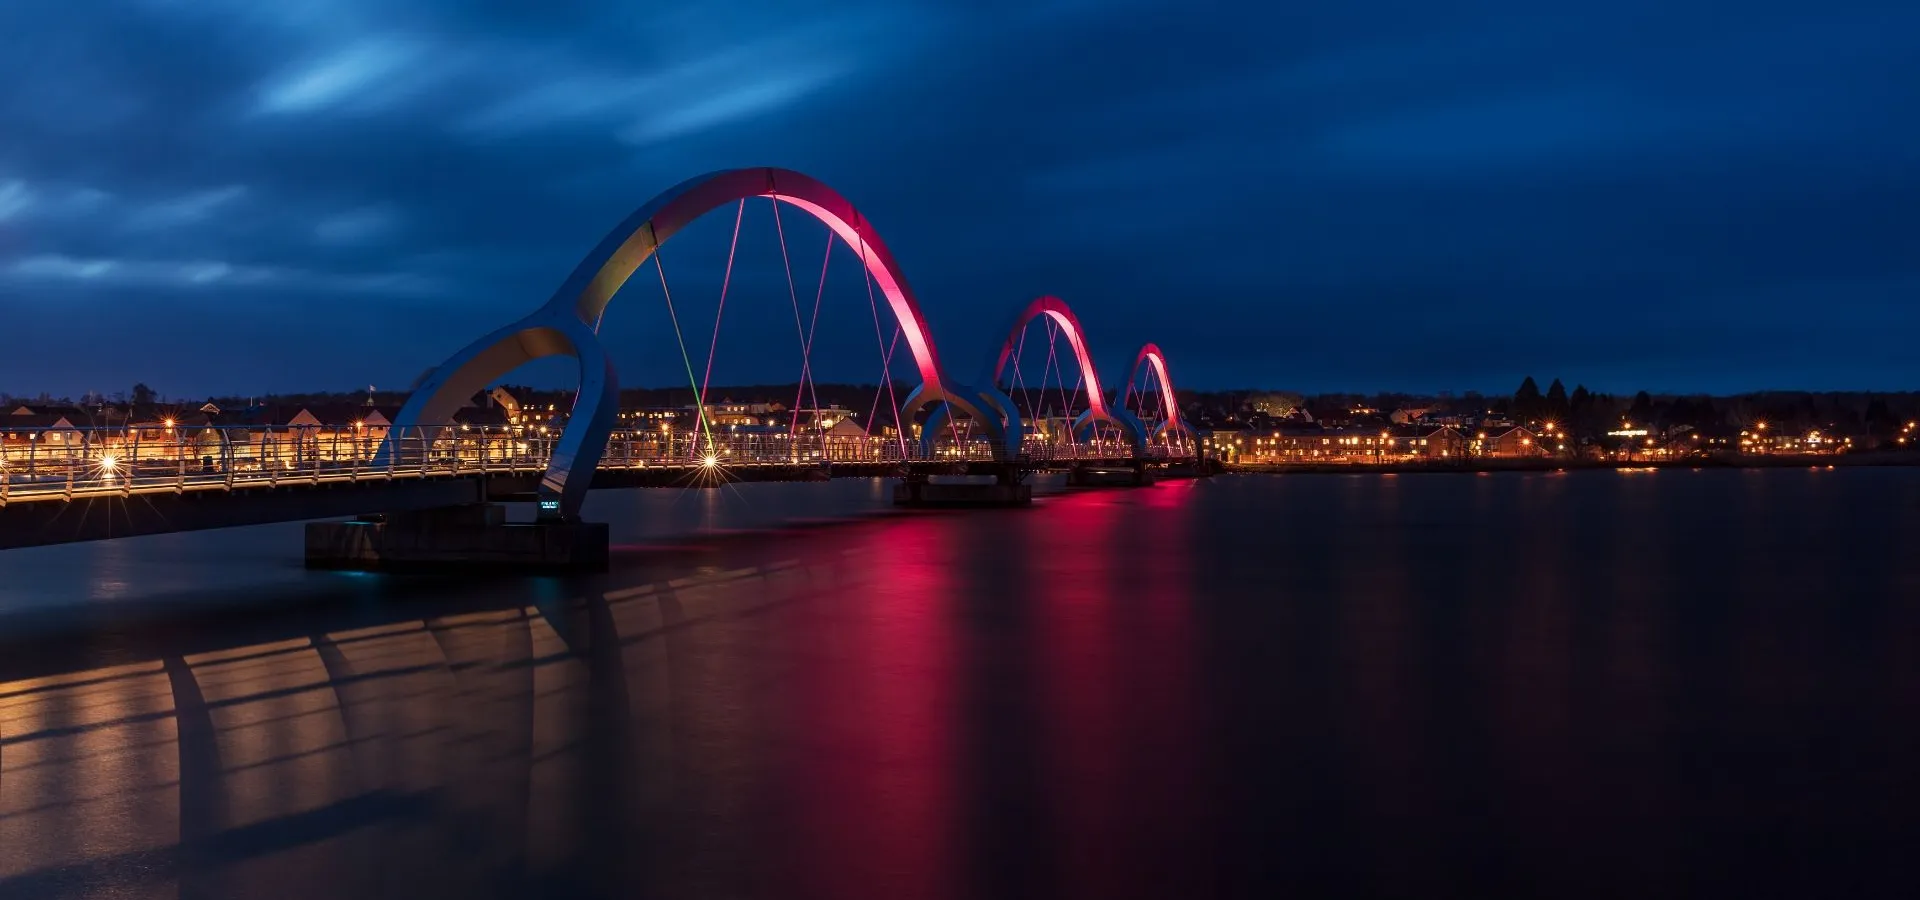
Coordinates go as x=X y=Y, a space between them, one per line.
x=1019 y=379
x=873 y=415
x=813 y=324
x=1055 y=366
x=793 y=295
x=1078 y=380
x=714 y=347
x=699 y=408
x=886 y=362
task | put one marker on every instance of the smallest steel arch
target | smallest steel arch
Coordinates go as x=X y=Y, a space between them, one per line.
x=1152 y=357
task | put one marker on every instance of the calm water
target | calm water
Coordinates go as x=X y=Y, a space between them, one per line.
x=1600 y=684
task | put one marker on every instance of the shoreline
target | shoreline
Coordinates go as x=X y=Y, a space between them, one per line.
x=1777 y=461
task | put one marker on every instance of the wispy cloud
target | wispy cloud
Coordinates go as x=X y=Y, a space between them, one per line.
x=356 y=226
x=185 y=209
x=13 y=199
x=742 y=101
x=359 y=75
x=695 y=90
x=23 y=201
x=207 y=274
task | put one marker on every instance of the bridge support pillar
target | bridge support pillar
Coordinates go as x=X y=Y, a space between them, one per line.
x=456 y=538
x=919 y=490
x=1190 y=469
x=1136 y=475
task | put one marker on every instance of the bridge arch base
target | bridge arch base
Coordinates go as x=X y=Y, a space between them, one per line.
x=426 y=417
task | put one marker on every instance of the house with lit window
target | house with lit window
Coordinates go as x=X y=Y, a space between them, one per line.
x=1510 y=442
x=1429 y=442
x=55 y=425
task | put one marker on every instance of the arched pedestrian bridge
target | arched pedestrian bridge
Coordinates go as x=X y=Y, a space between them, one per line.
x=65 y=484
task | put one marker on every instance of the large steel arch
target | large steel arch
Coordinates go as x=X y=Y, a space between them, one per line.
x=568 y=322
x=1098 y=410
x=1151 y=357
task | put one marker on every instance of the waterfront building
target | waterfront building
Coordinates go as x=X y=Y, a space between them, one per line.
x=1510 y=442
x=1303 y=444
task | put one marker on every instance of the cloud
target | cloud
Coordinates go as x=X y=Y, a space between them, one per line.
x=207 y=274
x=20 y=200
x=356 y=226
x=359 y=74
x=715 y=109
x=14 y=199
x=735 y=78
x=185 y=209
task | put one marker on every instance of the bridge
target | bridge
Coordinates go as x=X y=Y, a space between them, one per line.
x=69 y=484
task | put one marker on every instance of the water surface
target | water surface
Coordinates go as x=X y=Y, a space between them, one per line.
x=1594 y=684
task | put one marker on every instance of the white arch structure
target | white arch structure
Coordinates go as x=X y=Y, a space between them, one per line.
x=567 y=325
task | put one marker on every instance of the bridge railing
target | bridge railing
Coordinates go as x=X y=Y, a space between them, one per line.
x=79 y=462
x=42 y=463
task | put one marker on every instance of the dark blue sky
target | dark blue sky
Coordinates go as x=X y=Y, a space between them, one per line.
x=234 y=195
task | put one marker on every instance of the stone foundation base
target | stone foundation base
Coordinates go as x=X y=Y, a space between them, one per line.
x=927 y=493
x=1089 y=477
x=456 y=539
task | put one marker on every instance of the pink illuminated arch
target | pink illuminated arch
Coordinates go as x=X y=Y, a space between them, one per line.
x=630 y=244
x=1151 y=357
x=1062 y=315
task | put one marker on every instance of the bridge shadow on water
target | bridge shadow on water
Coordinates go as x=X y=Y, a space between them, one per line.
x=760 y=713
x=405 y=736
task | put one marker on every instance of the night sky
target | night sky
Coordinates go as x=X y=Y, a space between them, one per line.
x=246 y=196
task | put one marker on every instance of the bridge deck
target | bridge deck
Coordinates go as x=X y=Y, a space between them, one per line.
x=98 y=511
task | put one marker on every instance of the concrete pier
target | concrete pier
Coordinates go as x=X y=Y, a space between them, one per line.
x=1090 y=476
x=920 y=492
x=460 y=537
x=1179 y=470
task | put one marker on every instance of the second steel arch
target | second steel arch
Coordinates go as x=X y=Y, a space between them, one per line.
x=1061 y=315
x=1151 y=357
